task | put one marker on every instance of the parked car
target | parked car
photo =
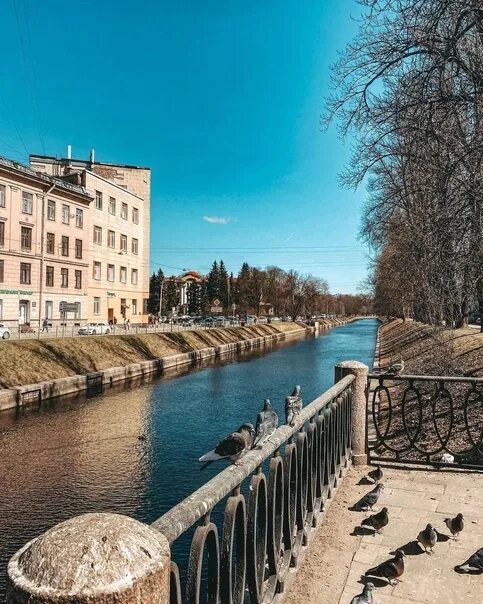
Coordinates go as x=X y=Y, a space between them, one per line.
x=4 y=332
x=262 y=320
x=207 y=322
x=94 y=329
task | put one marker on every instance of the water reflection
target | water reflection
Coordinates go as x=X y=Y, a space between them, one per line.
x=83 y=455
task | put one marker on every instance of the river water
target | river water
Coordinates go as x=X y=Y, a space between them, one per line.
x=86 y=456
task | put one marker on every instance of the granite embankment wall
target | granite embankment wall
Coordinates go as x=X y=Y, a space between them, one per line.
x=37 y=370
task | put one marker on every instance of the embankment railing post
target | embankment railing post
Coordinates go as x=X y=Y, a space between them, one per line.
x=359 y=407
x=92 y=559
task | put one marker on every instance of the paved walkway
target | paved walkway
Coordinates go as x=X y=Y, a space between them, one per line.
x=340 y=553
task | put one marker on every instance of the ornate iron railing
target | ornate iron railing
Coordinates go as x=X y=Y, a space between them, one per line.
x=426 y=419
x=250 y=549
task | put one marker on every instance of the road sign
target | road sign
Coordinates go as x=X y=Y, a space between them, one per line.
x=68 y=307
x=216 y=302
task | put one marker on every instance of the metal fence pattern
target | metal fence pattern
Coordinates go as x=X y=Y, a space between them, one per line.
x=272 y=502
x=426 y=419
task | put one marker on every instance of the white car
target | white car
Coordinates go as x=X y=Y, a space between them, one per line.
x=4 y=332
x=94 y=329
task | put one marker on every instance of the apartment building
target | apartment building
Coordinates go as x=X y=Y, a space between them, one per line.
x=118 y=242
x=44 y=240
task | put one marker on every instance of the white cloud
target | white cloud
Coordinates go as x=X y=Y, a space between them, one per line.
x=216 y=219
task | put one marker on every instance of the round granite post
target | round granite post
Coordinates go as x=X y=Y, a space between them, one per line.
x=359 y=407
x=92 y=559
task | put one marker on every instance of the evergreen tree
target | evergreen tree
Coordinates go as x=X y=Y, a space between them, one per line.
x=155 y=284
x=213 y=282
x=223 y=285
x=171 y=297
x=195 y=298
x=242 y=294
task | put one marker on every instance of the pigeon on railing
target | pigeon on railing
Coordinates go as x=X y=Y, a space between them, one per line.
x=455 y=525
x=293 y=406
x=233 y=446
x=267 y=423
x=390 y=569
x=366 y=596
x=474 y=564
x=428 y=538
x=395 y=368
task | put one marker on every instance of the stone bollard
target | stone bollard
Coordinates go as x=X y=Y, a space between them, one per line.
x=359 y=407
x=92 y=559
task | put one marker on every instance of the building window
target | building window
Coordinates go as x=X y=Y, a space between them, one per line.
x=27 y=202
x=111 y=239
x=96 y=273
x=97 y=235
x=50 y=243
x=65 y=245
x=78 y=248
x=78 y=279
x=134 y=307
x=134 y=246
x=64 y=277
x=123 y=307
x=49 y=310
x=79 y=218
x=110 y=272
x=26 y=239
x=112 y=206
x=50 y=209
x=123 y=274
x=97 y=306
x=77 y=311
x=98 y=200
x=1 y=309
x=124 y=211
x=2 y=233
x=49 y=276
x=65 y=214
x=124 y=243
x=2 y=270
x=3 y=195
x=135 y=215
x=25 y=273
x=134 y=276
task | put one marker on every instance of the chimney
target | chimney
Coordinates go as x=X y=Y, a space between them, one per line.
x=69 y=151
x=92 y=157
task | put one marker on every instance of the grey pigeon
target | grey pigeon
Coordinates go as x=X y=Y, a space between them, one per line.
x=474 y=564
x=390 y=569
x=395 y=368
x=455 y=525
x=428 y=538
x=293 y=406
x=376 y=475
x=366 y=596
x=267 y=423
x=377 y=521
x=233 y=446
x=369 y=500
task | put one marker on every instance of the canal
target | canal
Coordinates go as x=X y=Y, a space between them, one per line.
x=135 y=452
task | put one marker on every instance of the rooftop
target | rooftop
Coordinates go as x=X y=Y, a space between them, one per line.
x=26 y=171
x=341 y=552
x=84 y=162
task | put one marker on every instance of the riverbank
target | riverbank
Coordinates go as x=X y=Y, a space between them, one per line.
x=427 y=350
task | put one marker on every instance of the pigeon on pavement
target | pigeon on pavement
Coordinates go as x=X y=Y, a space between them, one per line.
x=233 y=446
x=366 y=596
x=370 y=499
x=293 y=406
x=390 y=569
x=267 y=423
x=395 y=368
x=455 y=525
x=428 y=538
x=377 y=521
x=376 y=475
x=474 y=564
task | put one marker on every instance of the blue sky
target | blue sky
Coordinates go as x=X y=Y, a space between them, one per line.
x=221 y=98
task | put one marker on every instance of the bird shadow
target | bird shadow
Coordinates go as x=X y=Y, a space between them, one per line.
x=361 y=531
x=364 y=579
x=411 y=548
x=442 y=538
x=357 y=508
x=366 y=481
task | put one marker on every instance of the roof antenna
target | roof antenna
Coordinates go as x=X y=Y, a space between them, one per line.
x=69 y=152
x=92 y=157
